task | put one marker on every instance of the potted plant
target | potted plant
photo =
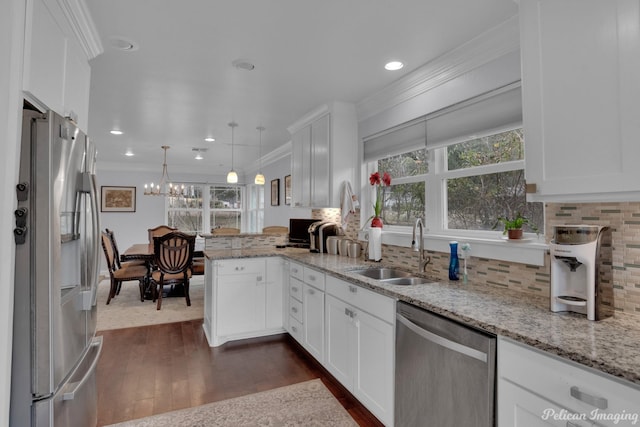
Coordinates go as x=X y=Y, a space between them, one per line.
x=513 y=226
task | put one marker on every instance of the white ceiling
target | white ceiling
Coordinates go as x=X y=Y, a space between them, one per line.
x=180 y=86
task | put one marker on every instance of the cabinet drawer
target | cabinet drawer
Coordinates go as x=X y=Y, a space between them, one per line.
x=296 y=270
x=378 y=305
x=295 y=329
x=240 y=266
x=295 y=288
x=314 y=277
x=295 y=309
x=567 y=384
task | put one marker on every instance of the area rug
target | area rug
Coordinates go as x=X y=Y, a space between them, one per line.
x=127 y=311
x=304 y=404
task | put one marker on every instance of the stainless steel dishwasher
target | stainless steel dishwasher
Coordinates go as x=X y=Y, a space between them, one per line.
x=445 y=372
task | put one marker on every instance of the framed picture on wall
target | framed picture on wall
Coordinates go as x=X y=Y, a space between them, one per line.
x=287 y=190
x=275 y=192
x=117 y=199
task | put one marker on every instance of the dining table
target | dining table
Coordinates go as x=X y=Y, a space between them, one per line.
x=145 y=252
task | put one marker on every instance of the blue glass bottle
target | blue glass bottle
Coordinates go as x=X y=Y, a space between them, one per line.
x=454 y=262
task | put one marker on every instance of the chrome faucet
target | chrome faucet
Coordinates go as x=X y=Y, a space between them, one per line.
x=424 y=260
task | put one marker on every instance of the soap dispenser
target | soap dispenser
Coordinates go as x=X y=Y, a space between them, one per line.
x=454 y=262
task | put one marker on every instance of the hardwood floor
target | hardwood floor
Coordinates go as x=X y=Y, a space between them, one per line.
x=153 y=369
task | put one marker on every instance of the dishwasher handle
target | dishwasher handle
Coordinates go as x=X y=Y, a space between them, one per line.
x=442 y=341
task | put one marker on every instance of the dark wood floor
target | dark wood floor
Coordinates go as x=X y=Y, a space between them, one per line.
x=149 y=370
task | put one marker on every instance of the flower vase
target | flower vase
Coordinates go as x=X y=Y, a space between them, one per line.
x=376 y=222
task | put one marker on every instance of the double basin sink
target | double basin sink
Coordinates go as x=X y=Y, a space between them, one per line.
x=390 y=276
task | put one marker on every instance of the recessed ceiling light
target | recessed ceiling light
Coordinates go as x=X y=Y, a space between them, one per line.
x=199 y=156
x=115 y=132
x=129 y=153
x=243 y=64
x=209 y=139
x=123 y=44
x=393 y=65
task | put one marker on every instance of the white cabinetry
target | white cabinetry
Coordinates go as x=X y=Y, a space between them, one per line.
x=324 y=154
x=56 y=71
x=538 y=389
x=243 y=299
x=581 y=98
x=360 y=344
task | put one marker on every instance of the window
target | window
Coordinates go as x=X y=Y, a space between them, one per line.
x=225 y=208
x=186 y=213
x=205 y=207
x=404 y=199
x=255 y=208
x=470 y=173
x=489 y=182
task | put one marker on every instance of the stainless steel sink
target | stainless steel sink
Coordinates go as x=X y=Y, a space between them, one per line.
x=381 y=273
x=406 y=281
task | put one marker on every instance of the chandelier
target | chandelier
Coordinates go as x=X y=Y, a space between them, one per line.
x=164 y=187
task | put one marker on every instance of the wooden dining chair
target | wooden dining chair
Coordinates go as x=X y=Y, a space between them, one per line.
x=124 y=273
x=118 y=258
x=173 y=255
x=225 y=231
x=158 y=231
x=275 y=229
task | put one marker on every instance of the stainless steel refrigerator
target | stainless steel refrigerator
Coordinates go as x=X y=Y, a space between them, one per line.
x=55 y=350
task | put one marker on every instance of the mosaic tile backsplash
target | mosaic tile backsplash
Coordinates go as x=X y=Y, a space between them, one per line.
x=623 y=220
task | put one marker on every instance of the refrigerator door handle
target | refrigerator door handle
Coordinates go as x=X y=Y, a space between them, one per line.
x=97 y=342
x=89 y=185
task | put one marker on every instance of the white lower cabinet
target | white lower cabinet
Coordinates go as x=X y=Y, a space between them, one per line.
x=360 y=345
x=243 y=299
x=313 y=321
x=539 y=389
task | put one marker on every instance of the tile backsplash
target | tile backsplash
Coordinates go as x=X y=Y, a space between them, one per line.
x=623 y=220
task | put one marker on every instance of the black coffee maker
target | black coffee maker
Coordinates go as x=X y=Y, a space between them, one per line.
x=318 y=233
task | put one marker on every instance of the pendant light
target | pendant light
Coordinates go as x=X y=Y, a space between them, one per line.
x=232 y=176
x=165 y=187
x=259 y=177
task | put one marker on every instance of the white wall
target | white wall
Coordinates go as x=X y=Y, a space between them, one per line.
x=279 y=215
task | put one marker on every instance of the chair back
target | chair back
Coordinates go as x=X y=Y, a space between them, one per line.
x=116 y=252
x=222 y=231
x=109 y=253
x=275 y=229
x=158 y=231
x=174 y=252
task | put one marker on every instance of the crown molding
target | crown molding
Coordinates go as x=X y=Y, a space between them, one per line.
x=279 y=153
x=308 y=118
x=492 y=44
x=79 y=18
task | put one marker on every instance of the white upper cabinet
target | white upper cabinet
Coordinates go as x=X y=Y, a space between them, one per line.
x=60 y=39
x=324 y=155
x=581 y=98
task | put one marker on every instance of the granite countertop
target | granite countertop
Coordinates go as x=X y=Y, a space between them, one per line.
x=611 y=345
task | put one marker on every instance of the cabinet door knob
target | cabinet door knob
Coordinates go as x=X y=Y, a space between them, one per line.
x=589 y=399
x=312 y=277
x=294 y=289
x=353 y=289
x=311 y=292
x=294 y=309
x=294 y=329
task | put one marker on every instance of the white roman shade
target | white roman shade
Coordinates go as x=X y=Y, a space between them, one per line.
x=483 y=115
x=400 y=139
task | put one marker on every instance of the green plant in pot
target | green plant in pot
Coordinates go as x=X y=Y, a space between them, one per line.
x=513 y=226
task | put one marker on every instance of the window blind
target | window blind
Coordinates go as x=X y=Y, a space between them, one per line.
x=483 y=115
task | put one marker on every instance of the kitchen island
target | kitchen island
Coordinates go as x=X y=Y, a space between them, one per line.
x=609 y=345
